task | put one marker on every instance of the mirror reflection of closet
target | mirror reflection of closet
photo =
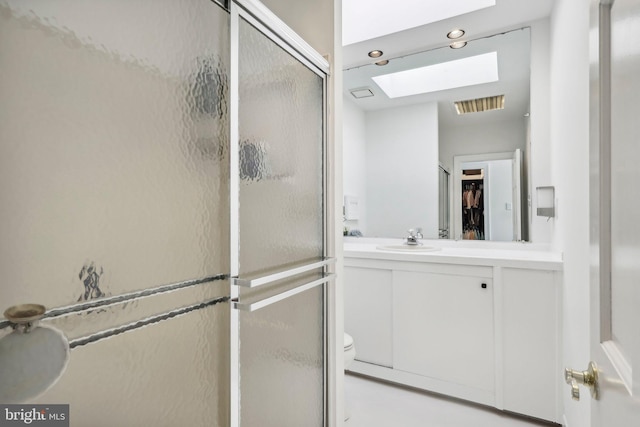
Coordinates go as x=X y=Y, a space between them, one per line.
x=488 y=197
x=473 y=204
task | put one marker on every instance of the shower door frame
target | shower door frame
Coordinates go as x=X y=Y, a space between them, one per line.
x=278 y=32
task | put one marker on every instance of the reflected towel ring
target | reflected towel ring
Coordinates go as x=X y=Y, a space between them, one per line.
x=24 y=316
x=32 y=358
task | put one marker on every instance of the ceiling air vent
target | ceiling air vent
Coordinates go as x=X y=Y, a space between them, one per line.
x=480 y=104
x=363 y=92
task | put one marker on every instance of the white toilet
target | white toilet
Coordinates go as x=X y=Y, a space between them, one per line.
x=349 y=355
x=349 y=350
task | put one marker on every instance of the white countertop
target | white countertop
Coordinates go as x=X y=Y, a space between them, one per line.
x=500 y=254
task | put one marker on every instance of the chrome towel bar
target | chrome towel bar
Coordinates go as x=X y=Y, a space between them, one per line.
x=257 y=305
x=102 y=302
x=263 y=280
x=143 y=322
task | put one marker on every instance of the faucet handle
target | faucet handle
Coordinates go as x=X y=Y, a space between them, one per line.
x=412 y=238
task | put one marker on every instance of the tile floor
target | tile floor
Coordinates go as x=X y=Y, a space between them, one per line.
x=378 y=404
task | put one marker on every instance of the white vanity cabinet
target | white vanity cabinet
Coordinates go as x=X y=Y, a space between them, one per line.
x=368 y=313
x=443 y=329
x=480 y=329
x=530 y=307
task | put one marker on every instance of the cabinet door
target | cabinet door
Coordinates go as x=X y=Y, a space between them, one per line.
x=443 y=327
x=531 y=334
x=367 y=307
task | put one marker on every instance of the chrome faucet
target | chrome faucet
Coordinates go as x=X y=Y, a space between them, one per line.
x=414 y=235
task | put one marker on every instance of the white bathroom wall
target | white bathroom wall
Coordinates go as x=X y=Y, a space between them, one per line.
x=314 y=21
x=402 y=170
x=480 y=139
x=355 y=169
x=541 y=230
x=569 y=134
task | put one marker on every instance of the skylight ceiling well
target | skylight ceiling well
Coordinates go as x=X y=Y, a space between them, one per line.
x=368 y=19
x=469 y=71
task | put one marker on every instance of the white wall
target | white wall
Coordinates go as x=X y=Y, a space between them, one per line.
x=314 y=21
x=402 y=170
x=569 y=133
x=355 y=170
x=480 y=139
x=541 y=230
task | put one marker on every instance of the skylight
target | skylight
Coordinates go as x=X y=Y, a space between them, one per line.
x=368 y=19
x=469 y=71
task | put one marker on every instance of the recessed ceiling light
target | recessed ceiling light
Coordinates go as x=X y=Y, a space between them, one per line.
x=383 y=62
x=455 y=34
x=375 y=53
x=458 y=45
x=468 y=71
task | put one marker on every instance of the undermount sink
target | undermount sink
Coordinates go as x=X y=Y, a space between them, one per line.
x=408 y=248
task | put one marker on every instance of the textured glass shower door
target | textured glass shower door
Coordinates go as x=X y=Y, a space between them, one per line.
x=121 y=194
x=280 y=300
x=114 y=190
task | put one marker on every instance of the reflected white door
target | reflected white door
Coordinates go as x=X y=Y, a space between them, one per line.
x=615 y=289
x=517 y=194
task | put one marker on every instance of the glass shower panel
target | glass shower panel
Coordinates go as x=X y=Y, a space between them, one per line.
x=169 y=374
x=114 y=130
x=281 y=223
x=114 y=178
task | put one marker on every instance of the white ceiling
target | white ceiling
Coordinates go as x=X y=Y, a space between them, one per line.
x=513 y=57
x=505 y=15
x=388 y=17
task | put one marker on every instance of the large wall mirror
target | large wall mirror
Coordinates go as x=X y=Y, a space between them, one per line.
x=420 y=161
